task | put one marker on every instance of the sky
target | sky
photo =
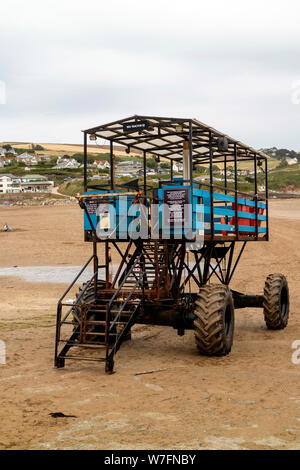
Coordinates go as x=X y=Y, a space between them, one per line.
x=68 y=65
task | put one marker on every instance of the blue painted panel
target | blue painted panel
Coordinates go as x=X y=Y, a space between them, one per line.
x=226 y=197
x=118 y=214
x=200 y=216
x=231 y=213
x=87 y=225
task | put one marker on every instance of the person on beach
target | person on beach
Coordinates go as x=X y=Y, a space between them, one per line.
x=6 y=228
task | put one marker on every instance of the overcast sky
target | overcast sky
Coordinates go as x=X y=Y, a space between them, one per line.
x=69 y=65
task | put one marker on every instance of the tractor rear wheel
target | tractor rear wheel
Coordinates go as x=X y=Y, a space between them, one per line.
x=214 y=322
x=276 y=302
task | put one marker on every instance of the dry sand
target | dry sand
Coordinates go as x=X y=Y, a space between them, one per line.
x=247 y=400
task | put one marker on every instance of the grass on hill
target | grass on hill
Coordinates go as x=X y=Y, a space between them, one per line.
x=283 y=177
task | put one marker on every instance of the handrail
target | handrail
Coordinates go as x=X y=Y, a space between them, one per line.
x=137 y=260
x=123 y=306
x=79 y=297
x=78 y=275
x=123 y=281
x=59 y=305
x=107 y=195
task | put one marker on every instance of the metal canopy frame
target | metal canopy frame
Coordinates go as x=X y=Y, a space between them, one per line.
x=165 y=136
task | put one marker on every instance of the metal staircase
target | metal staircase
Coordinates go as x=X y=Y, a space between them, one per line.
x=102 y=315
x=101 y=320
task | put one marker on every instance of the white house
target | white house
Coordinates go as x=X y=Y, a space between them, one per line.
x=36 y=186
x=35 y=183
x=3 y=151
x=46 y=158
x=102 y=164
x=27 y=158
x=291 y=161
x=177 y=167
x=66 y=163
x=9 y=183
x=23 y=156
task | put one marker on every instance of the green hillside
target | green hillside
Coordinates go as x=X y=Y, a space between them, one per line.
x=280 y=178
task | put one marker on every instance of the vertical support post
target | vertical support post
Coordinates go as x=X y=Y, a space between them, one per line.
x=171 y=170
x=106 y=265
x=191 y=166
x=255 y=196
x=58 y=327
x=191 y=154
x=166 y=268
x=225 y=184
x=85 y=161
x=156 y=269
x=267 y=199
x=229 y=262
x=145 y=174
x=95 y=266
x=180 y=268
x=207 y=263
x=211 y=181
x=235 y=193
x=225 y=173
x=186 y=162
x=144 y=279
x=112 y=164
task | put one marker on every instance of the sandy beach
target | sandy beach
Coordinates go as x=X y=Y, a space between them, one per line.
x=247 y=400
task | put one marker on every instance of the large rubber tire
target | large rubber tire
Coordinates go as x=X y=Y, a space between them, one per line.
x=214 y=322
x=276 y=302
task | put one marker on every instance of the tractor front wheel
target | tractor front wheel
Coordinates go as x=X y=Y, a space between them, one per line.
x=276 y=302
x=214 y=322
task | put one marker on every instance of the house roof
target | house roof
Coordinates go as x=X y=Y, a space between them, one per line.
x=26 y=183
x=9 y=175
x=164 y=137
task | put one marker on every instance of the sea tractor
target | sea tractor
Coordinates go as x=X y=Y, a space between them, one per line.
x=178 y=237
